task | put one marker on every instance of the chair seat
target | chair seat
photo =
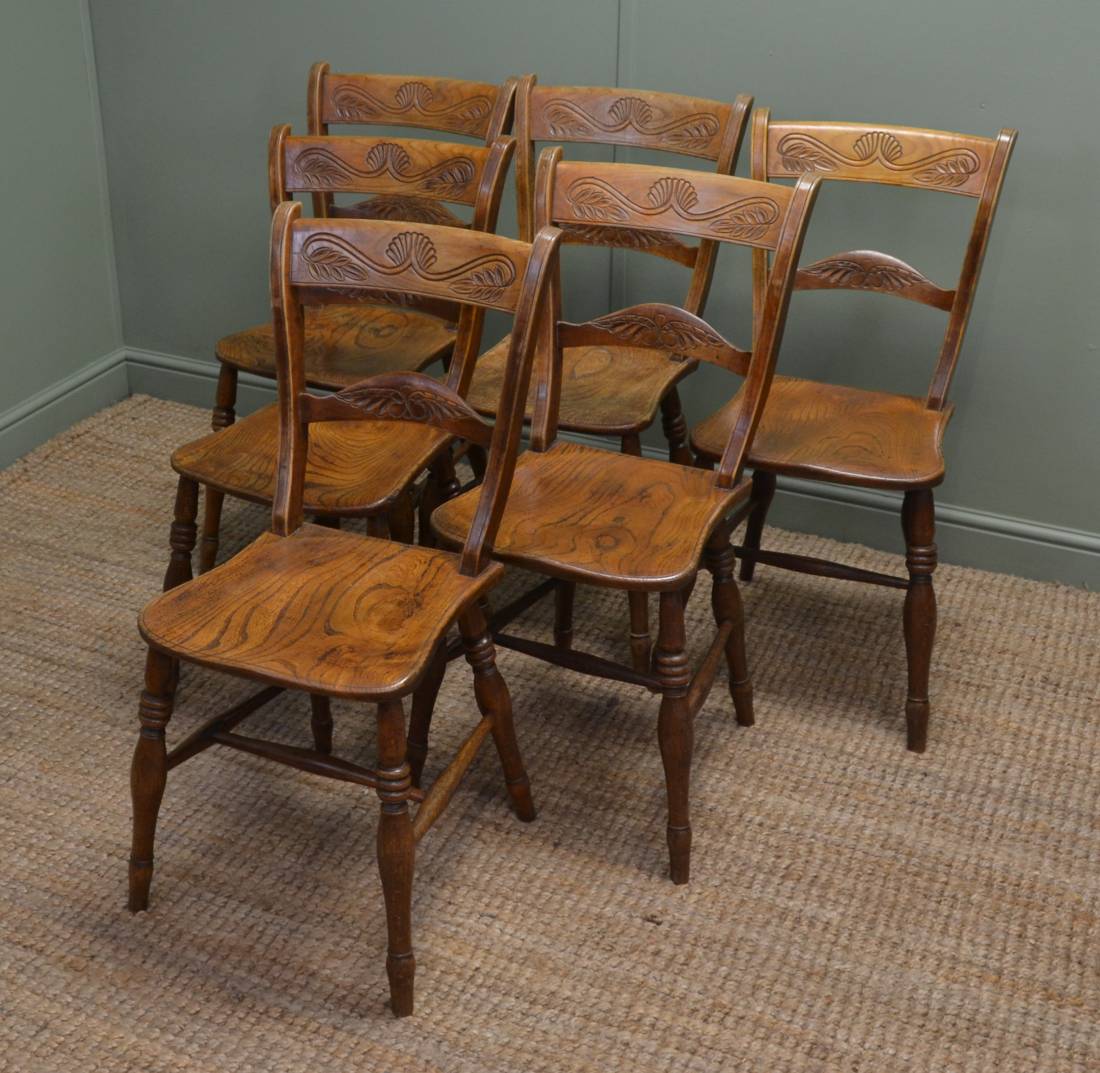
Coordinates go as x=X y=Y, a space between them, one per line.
x=840 y=434
x=321 y=610
x=346 y=344
x=353 y=467
x=589 y=515
x=604 y=390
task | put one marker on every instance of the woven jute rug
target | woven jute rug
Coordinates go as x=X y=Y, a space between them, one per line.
x=852 y=907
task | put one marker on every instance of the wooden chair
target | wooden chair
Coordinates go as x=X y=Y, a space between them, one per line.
x=361 y=470
x=577 y=514
x=843 y=435
x=335 y=614
x=616 y=390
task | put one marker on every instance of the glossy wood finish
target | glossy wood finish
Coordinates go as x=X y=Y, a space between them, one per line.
x=844 y=435
x=334 y=614
x=621 y=521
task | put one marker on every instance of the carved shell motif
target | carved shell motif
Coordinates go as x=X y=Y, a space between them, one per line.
x=329 y=259
x=352 y=103
x=746 y=218
x=950 y=168
x=660 y=331
x=566 y=119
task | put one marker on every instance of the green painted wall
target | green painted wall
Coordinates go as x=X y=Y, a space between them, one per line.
x=189 y=92
x=58 y=305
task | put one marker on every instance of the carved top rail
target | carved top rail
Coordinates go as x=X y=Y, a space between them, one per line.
x=869 y=270
x=896 y=156
x=720 y=207
x=668 y=121
x=657 y=326
x=471 y=108
x=410 y=167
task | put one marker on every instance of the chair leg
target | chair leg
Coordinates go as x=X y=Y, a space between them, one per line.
x=402 y=518
x=494 y=701
x=182 y=534
x=149 y=772
x=763 y=491
x=321 y=722
x=226 y=398
x=396 y=854
x=211 y=528
x=918 y=520
x=640 y=644
x=675 y=428
x=564 y=593
x=441 y=484
x=479 y=460
x=675 y=730
x=423 y=706
x=725 y=600
x=377 y=526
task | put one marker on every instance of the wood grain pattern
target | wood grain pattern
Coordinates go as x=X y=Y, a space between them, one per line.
x=344 y=343
x=609 y=116
x=589 y=515
x=658 y=199
x=353 y=469
x=421 y=259
x=608 y=390
x=320 y=610
x=898 y=156
x=839 y=434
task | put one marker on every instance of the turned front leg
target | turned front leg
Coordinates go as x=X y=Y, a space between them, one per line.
x=149 y=772
x=918 y=520
x=396 y=850
x=725 y=601
x=183 y=533
x=675 y=429
x=226 y=398
x=675 y=730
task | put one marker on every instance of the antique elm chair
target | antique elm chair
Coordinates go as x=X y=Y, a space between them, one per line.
x=345 y=345
x=845 y=435
x=359 y=470
x=331 y=613
x=620 y=521
x=615 y=388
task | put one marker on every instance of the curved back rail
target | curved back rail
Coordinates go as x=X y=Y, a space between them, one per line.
x=718 y=208
x=908 y=157
x=709 y=130
x=356 y=258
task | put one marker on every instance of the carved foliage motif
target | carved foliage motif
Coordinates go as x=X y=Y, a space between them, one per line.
x=569 y=120
x=319 y=167
x=329 y=259
x=620 y=236
x=947 y=169
x=399 y=207
x=869 y=276
x=746 y=218
x=660 y=330
x=352 y=103
x=406 y=403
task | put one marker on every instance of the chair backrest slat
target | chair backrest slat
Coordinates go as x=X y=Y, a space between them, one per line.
x=669 y=122
x=908 y=157
x=356 y=258
x=718 y=208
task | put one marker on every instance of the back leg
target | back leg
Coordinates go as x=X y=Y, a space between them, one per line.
x=423 y=707
x=727 y=606
x=763 y=491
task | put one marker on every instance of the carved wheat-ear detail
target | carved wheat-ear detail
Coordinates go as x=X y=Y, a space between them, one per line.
x=749 y=218
x=330 y=259
x=842 y=272
x=319 y=167
x=658 y=330
x=353 y=103
x=568 y=119
x=803 y=153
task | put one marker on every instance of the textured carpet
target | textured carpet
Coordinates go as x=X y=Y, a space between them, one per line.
x=852 y=907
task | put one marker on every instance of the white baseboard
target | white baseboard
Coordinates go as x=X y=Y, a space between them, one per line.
x=55 y=408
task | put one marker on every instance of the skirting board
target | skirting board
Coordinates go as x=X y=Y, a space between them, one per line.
x=966 y=537
x=62 y=404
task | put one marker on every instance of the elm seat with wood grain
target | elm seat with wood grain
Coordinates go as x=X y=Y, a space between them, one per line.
x=589 y=515
x=605 y=390
x=319 y=610
x=352 y=468
x=841 y=434
x=343 y=341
